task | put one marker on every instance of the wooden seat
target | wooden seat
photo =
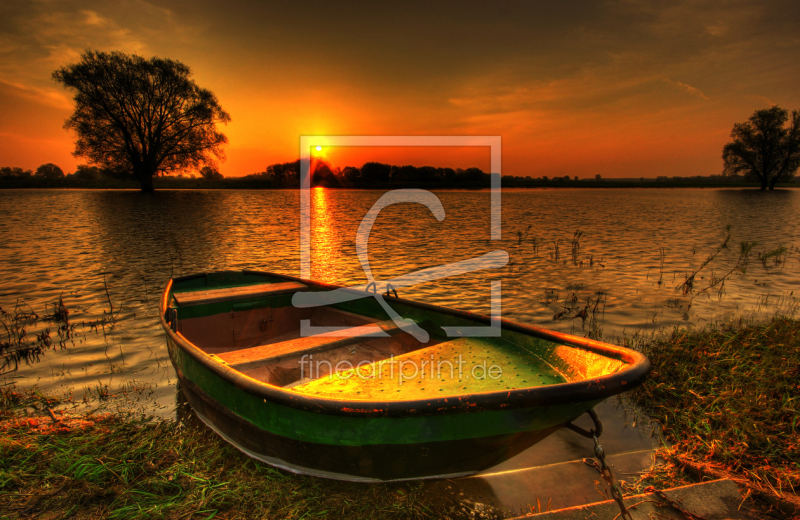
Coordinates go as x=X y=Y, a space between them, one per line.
x=236 y=293
x=277 y=352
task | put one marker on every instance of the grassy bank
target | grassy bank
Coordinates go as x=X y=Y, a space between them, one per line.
x=53 y=465
x=728 y=401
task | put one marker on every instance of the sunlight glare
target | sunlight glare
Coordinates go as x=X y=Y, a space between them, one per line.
x=325 y=249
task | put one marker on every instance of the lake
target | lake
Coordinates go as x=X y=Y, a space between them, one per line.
x=616 y=255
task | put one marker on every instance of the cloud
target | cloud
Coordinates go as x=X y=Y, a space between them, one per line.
x=39 y=36
x=50 y=97
x=92 y=18
x=696 y=92
x=540 y=71
x=718 y=29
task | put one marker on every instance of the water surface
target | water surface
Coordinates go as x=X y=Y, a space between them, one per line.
x=635 y=248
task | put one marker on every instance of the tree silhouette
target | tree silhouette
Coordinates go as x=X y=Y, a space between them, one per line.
x=87 y=172
x=763 y=150
x=210 y=174
x=7 y=172
x=376 y=172
x=49 y=171
x=324 y=176
x=285 y=174
x=141 y=117
x=351 y=174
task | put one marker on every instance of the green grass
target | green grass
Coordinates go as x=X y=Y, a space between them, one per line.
x=728 y=400
x=117 y=466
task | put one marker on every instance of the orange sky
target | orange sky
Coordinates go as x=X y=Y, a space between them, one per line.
x=624 y=89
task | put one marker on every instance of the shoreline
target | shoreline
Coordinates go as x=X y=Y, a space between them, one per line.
x=210 y=187
x=727 y=400
x=719 y=395
x=235 y=183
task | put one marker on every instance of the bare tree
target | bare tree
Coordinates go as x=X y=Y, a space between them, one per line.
x=141 y=117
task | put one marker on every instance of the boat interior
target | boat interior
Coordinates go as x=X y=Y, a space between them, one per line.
x=256 y=330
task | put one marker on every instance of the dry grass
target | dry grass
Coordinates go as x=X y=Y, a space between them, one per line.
x=54 y=465
x=728 y=400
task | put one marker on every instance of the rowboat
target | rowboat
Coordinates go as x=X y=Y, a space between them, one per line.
x=346 y=391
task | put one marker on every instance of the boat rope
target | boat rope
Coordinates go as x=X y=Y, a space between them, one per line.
x=598 y=426
x=605 y=470
x=390 y=287
x=374 y=287
x=602 y=466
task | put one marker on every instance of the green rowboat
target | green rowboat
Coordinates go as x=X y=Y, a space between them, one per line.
x=364 y=397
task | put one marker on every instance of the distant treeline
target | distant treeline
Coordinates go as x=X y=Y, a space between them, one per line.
x=375 y=174
x=370 y=175
x=52 y=176
x=598 y=181
x=280 y=175
x=51 y=172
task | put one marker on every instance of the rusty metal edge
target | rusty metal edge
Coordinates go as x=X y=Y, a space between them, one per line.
x=579 y=391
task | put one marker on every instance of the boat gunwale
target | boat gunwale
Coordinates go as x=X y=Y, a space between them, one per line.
x=590 y=389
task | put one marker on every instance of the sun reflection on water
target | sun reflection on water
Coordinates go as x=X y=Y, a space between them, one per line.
x=325 y=247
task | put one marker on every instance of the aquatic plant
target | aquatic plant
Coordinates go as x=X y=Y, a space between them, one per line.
x=175 y=247
x=776 y=255
x=687 y=287
x=16 y=346
x=576 y=245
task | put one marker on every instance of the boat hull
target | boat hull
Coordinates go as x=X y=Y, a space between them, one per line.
x=440 y=446
x=388 y=441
